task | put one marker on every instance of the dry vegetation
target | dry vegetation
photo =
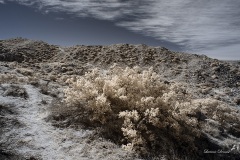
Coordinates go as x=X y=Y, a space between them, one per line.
x=150 y=101
x=149 y=116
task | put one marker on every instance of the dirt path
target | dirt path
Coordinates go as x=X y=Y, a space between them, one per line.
x=39 y=139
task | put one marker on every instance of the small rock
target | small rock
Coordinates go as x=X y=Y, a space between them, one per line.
x=237 y=101
x=216 y=69
x=214 y=76
x=214 y=64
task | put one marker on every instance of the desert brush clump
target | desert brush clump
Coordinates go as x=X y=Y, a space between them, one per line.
x=12 y=78
x=144 y=114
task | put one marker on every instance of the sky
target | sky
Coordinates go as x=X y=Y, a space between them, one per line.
x=210 y=27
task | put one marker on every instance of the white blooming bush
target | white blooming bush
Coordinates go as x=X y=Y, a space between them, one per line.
x=145 y=114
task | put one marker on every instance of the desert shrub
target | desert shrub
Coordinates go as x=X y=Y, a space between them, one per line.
x=135 y=108
x=25 y=71
x=12 y=78
x=16 y=91
x=6 y=78
x=16 y=79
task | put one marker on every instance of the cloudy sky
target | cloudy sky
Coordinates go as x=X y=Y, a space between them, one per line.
x=210 y=27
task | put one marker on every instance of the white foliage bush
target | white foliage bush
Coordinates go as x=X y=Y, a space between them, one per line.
x=149 y=114
x=117 y=90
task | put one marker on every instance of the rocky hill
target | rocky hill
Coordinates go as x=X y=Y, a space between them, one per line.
x=33 y=75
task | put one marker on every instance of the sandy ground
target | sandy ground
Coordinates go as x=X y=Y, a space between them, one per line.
x=34 y=137
x=32 y=76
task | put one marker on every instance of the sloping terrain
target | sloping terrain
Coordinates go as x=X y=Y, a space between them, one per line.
x=36 y=124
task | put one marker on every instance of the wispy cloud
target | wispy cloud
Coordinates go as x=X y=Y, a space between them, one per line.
x=104 y=9
x=196 y=25
x=2 y=1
